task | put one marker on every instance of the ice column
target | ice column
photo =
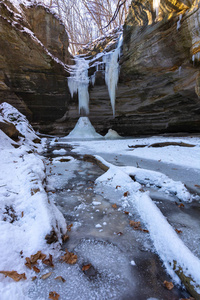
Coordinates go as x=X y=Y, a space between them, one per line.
x=112 y=71
x=78 y=83
x=156 y=4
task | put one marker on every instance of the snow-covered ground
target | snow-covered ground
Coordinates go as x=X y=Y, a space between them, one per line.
x=26 y=215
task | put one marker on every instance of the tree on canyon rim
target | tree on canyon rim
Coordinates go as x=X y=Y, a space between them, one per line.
x=85 y=20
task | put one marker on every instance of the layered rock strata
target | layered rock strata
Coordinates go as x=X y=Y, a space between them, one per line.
x=33 y=58
x=159 y=84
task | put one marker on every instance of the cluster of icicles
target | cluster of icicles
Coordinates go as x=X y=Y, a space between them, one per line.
x=79 y=80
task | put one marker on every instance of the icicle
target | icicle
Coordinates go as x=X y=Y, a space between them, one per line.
x=112 y=72
x=78 y=83
x=156 y=4
x=179 y=22
x=179 y=70
x=92 y=78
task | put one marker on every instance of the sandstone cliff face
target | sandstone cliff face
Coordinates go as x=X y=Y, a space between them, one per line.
x=159 y=84
x=160 y=68
x=33 y=54
x=158 y=89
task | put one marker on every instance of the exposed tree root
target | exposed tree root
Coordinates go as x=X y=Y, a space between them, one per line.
x=186 y=280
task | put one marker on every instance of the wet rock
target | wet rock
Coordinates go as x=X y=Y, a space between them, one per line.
x=52 y=237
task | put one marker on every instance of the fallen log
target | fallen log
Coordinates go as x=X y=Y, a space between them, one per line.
x=165 y=144
x=186 y=280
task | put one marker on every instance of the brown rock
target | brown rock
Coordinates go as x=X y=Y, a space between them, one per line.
x=10 y=130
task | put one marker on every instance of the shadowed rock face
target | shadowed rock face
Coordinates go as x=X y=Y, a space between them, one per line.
x=160 y=68
x=158 y=90
x=159 y=84
x=33 y=52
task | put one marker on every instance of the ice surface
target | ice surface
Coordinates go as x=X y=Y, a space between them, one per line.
x=168 y=245
x=83 y=130
x=182 y=156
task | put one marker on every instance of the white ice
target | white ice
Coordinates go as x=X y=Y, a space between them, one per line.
x=78 y=82
x=83 y=130
x=112 y=71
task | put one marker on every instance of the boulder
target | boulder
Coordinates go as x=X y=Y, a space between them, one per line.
x=10 y=130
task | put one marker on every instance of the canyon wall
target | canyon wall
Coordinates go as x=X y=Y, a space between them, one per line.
x=33 y=58
x=159 y=83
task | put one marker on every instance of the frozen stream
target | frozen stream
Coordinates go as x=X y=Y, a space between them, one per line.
x=123 y=261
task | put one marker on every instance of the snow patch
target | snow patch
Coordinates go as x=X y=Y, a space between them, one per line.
x=112 y=134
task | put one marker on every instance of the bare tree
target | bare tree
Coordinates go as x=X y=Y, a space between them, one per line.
x=86 y=20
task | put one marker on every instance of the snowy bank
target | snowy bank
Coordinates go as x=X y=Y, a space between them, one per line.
x=26 y=214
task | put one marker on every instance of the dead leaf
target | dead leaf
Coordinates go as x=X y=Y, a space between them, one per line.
x=60 y=278
x=34 y=258
x=45 y=276
x=53 y=295
x=69 y=227
x=33 y=278
x=48 y=261
x=36 y=269
x=145 y=230
x=126 y=212
x=126 y=194
x=181 y=205
x=114 y=205
x=197 y=185
x=22 y=214
x=118 y=186
x=86 y=267
x=69 y=257
x=178 y=231
x=14 y=275
x=28 y=262
x=168 y=285
x=134 y=224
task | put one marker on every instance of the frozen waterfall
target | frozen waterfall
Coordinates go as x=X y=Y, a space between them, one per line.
x=112 y=71
x=78 y=82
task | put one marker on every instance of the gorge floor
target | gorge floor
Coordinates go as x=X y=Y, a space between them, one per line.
x=123 y=261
